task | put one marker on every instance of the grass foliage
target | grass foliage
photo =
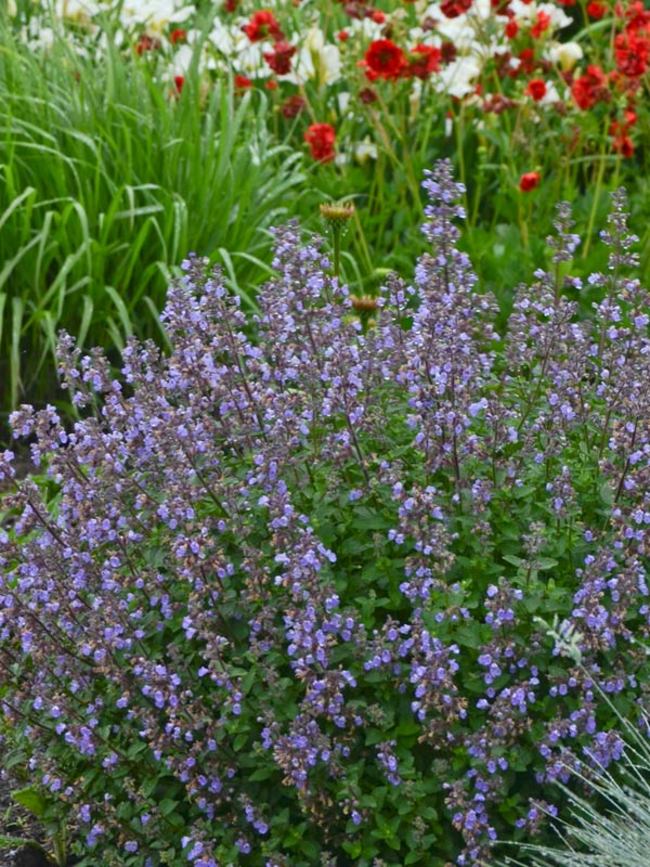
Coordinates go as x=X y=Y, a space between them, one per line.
x=106 y=180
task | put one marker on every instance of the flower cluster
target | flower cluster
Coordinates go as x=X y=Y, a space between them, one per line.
x=285 y=590
x=368 y=64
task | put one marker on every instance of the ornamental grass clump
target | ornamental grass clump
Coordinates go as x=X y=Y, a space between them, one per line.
x=284 y=596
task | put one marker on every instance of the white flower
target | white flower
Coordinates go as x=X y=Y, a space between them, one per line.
x=154 y=12
x=457 y=78
x=365 y=150
x=526 y=13
x=244 y=56
x=558 y=16
x=565 y=54
x=316 y=60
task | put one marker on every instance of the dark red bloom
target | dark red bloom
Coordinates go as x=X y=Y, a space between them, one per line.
x=454 y=8
x=179 y=83
x=378 y=17
x=321 y=137
x=280 y=58
x=423 y=60
x=498 y=103
x=368 y=95
x=590 y=88
x=536 y=89
x=529 y=181
x=343 y=35
x=263 y=25
x=448 y=52
x=242 y=82
x=384 y=59
x=292 y=106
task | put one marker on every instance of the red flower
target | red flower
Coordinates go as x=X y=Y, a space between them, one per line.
x=590 y=88
x=321 y=137
x=263 y=25
x=179 y=83
x=343 y=35
x=271 y=84
x=178 y=35
x=448 y=52
x=511 y=29
x=378 y=17
x=368 y=95
x=424 y=60
x=596 y=10
x=384 y=59
x=280 y=58
x=542 y=23
x=454 y=8
x=242 y=83
x=231 y=5
x=529 y=181
x=292 y=106
x=536 y=89
x=632 y=54
x=527 y=63
x=146 y=43
x=621 y=143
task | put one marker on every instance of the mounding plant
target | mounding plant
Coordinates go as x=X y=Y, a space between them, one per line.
x=277 y=595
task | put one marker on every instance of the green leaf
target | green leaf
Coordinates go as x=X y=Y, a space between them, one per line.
x=31 y=799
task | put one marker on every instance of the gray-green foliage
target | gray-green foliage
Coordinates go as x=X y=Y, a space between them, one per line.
x=609 y=824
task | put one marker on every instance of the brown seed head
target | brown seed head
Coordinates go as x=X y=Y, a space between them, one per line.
x=337 y=212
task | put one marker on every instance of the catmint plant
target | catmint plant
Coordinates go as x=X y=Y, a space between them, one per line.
x=281 y=594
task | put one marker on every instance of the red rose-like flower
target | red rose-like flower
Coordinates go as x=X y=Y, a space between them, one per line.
x=424 y=60
x=632 y=54
x=541 y=25
x=343 y=35
x=536 y=89
x=454 y=8
x=178 y=35
x=511 y=29
x=529 y=181
x=596 y=10
x=263 y=25
x=321 y=137
x=590 y=88
x=280 y=58
x=384 y=59
x=378 y=17
x=292 y=106
x=179 y=83
x=242 y=83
